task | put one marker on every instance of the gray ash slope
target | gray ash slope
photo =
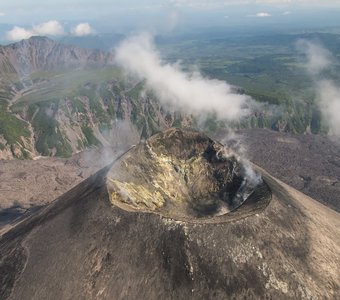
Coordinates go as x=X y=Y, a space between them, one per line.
x=82 y=246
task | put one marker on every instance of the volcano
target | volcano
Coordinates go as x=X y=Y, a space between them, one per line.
x=186 y=176
x=175 y=218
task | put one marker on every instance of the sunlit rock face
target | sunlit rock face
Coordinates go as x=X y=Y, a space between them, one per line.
x=181 y=174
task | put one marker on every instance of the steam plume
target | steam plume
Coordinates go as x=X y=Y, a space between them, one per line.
x=190 y=92
x=234 y=147
x=329 y=96
x=319 y=59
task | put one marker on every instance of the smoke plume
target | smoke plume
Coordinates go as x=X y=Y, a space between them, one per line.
x=329 y=96
x=234 y=147
x=190 y=92
x=318 y=60
x=317 y=57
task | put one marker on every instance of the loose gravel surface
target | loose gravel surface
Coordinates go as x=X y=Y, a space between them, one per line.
x=26 y=185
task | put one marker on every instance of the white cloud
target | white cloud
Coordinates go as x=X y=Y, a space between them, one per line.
x=222 y=3
x=48 y=28
x=207 y=3
x=190 y=92
x=329 y=97
x=2 y=14
x=82 y=29
x=262 y=15
x=319 y=59
x=18 y=33
x=286 y=13
x=297 y=2
x=279 y=2
x=246 y=2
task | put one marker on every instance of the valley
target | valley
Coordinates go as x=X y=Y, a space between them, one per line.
x=83 y=101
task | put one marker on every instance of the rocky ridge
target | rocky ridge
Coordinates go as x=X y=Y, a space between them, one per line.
x=56 y=100
x=43 y=54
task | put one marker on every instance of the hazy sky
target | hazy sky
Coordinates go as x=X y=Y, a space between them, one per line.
x=81 y=17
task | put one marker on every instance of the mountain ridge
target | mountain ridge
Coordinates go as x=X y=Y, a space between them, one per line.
x=56 y=100
x=42 y=53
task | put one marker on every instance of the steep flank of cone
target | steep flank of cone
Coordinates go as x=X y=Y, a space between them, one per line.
x=82 y=246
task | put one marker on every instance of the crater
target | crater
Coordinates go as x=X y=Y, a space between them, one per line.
x=184 y=175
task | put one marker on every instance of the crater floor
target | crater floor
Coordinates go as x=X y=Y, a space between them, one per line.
x=185 y=175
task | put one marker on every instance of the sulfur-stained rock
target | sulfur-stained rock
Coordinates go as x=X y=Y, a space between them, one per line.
x=182 y=174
